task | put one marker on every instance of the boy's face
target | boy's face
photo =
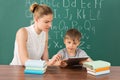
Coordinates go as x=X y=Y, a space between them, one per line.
x=71 y=45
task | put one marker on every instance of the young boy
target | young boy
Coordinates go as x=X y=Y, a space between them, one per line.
x=71 y=41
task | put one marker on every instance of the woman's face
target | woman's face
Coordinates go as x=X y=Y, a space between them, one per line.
x=45 y=22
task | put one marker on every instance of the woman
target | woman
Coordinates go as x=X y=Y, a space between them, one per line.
x=32 y=41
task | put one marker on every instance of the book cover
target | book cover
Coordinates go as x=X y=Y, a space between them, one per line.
x=35 y=68
x=34 y=71
x=99 y=69
x=99 y=73
x=36 y=63
x=96 y=64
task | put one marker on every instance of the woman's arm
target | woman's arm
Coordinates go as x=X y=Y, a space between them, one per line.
x=21 y=38
x=45 y=53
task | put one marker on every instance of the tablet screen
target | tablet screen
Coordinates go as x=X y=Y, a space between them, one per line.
x=75 y=61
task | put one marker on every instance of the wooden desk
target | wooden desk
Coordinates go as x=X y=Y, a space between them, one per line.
x=55 y=73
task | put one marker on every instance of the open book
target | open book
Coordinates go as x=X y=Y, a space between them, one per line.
x=75 y=61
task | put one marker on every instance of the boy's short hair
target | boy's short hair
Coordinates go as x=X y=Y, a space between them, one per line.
x=73 y=34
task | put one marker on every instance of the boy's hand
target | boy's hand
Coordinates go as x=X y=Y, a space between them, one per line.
x=63 y=63
x=55 y=58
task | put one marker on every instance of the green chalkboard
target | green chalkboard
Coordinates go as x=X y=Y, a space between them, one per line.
x=97 y=20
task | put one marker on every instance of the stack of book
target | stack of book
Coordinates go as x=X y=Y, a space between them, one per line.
x=35 y=67
x=97 y=67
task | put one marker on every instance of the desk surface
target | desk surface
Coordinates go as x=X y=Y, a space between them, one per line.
x=55 y=73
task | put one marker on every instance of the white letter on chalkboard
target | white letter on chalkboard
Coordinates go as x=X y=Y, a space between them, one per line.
x=82 y=4
x=87 y=25
x=56 y=44
x=55 y=13
x=55 y=4
x=78 y=13
x=67 y=11
x=67 y=3
x=74 y=23
x=73 y=4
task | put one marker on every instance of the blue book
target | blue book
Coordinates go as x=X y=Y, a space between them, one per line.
x=34 y=71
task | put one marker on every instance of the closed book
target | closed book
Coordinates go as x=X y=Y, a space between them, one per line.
x=98 y=73
x=99 y=69
x=36 y=63
x=34 y=71
x=35 y=68
x=96 y=64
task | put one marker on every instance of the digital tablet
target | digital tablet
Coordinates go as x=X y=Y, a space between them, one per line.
x=75 y=61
